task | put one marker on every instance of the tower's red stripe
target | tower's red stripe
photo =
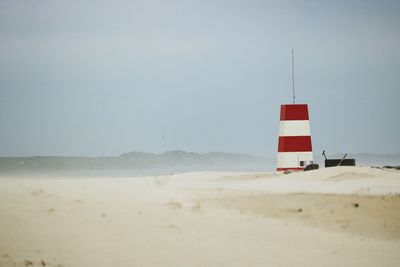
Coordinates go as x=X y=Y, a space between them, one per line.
x=294 y=144
x=294 y=112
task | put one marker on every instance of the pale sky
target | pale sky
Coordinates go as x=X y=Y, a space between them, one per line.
x=95 y=78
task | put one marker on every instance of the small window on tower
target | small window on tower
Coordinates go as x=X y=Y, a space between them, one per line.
x=302 y=163
x=311 y=162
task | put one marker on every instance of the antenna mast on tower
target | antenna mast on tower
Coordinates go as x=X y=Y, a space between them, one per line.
x=294 y=95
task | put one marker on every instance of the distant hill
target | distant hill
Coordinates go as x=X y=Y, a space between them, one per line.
x=136 y=163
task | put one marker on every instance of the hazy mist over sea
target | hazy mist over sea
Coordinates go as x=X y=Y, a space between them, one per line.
x=167 y=163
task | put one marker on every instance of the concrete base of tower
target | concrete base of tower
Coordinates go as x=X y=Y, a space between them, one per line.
x=289 y=169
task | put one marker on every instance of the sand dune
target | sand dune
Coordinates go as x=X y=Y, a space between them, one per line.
x=331 y=217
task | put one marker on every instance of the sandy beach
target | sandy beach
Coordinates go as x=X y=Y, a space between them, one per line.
x=344 y=216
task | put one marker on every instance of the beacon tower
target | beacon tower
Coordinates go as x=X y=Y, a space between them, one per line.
x=294 y=145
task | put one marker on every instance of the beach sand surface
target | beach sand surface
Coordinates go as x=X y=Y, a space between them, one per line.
x=344 y=216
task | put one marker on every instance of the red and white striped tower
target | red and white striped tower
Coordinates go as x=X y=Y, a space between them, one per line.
x=294 y=148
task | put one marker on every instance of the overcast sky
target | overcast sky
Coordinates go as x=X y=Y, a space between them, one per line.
x=96 y=78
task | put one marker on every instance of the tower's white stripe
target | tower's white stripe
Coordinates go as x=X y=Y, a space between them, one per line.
x=294 y=128
x=292 y=159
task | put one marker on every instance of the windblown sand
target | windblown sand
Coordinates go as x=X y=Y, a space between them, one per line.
x=347 y=216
